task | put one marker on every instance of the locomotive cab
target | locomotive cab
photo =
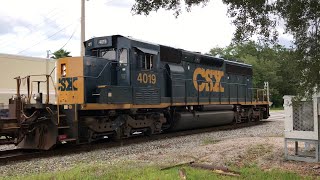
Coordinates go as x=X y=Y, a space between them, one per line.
x=120 y=70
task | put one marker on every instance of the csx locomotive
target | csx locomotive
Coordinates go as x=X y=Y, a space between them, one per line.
x=123 y=87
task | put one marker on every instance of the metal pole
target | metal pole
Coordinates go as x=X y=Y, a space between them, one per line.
x=38 y=86
x=28 y=89
x=48 y=54
x=82 y=27
x=268 y=92
x=47 y=61
x=47 y=100
x=18 y=86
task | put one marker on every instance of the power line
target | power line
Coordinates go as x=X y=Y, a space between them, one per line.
x=40 y=34
x=11 y=43
x=48 y=20
x=70 y=37
x=45 y=39
x=31 y=27
x=45 y=18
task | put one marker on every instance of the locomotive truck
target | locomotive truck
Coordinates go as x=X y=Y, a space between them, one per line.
x=124 y=87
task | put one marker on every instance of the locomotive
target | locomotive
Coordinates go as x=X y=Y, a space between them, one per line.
x=124 y=87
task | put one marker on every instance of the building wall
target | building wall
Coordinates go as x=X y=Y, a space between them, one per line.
x=12 y=66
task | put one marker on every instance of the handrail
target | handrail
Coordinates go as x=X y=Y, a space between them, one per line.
x=29 y=82
x=96 y=77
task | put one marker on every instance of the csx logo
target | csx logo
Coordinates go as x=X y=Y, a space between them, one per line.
x=67 y=84
x=205 y=82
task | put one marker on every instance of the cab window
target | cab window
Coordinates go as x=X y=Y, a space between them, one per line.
x=123 y=59
x=108 y=54
x=147 y=61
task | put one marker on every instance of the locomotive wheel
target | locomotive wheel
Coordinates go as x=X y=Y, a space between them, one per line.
x=117 y=135
x=250 y=115
x=148 y=132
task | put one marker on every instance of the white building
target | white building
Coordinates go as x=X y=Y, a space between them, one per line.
x=12 y=66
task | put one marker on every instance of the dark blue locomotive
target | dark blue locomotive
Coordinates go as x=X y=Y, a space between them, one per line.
x=123 y=86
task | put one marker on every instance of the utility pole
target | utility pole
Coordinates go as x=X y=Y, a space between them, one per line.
x=47 y=61
x=48 y=54
x=83 y=24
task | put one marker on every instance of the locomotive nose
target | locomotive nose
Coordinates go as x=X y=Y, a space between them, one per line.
x=70 y=77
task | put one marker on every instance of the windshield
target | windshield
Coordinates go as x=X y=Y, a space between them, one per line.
x=108 y=54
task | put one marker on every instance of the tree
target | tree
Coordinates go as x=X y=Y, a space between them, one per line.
x=272 y=64
x=300 y=18
x=60 y=54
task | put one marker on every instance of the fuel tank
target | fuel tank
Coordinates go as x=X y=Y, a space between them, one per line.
x=188 y=120
x=217 y=107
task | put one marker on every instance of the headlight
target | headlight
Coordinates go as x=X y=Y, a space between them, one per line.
x=63 y=70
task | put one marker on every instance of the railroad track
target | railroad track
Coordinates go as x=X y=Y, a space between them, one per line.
x=16 y=155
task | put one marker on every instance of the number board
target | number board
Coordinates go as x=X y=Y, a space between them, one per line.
x=147 y=78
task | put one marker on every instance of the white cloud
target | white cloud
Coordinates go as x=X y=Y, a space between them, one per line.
x=199 y=30
x=34 y=24
x=32 y=27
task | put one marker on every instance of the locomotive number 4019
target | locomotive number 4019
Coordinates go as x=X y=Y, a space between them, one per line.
x=147 y=78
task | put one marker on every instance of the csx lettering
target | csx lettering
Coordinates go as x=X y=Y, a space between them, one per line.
x=207 y=84
x=67 y=84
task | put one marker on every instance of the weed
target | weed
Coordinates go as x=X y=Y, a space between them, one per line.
x=210 y=141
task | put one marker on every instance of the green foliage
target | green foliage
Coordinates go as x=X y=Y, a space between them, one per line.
x=60 y=54
x=275 y=64
x=210 y=141
x=151 y=172
x=300 y=18
x=277 y=108
x=145 y=7
x=263 y=18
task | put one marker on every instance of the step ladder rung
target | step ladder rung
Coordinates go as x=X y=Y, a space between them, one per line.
x=63 y=127
x=68 y=140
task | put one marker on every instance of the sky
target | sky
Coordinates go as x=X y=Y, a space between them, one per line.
x=36 y=27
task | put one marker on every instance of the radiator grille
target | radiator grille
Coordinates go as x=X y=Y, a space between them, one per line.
x=147 y=96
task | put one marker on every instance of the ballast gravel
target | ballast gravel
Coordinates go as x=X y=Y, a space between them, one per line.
x=219 y=147
x=7 y=147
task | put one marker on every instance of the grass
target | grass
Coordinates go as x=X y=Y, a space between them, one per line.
x=253 y=172
x=210 y=141
x=102 y=171
x=259 y=150
x=253 y=153
x=276 y=108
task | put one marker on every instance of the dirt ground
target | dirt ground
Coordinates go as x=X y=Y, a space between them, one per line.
x=261 y=145
x=266 y=152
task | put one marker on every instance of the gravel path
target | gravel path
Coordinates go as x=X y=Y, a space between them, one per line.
x=218 y=147
x=7 y=147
